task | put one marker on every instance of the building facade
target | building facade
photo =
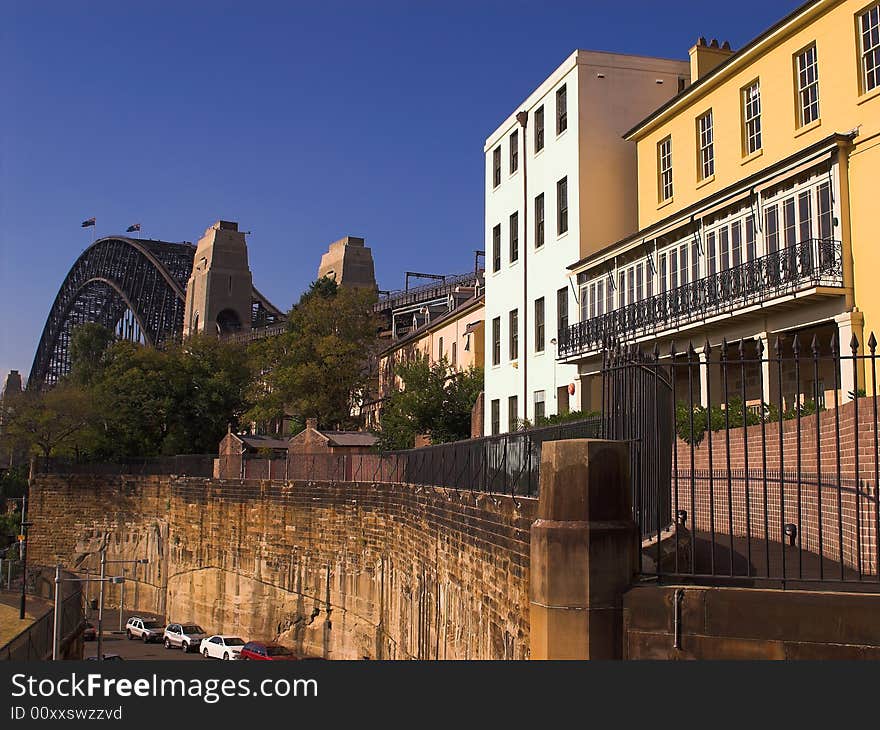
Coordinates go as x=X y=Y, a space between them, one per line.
x=560 y=182
x=757 y=196
x=457 y=336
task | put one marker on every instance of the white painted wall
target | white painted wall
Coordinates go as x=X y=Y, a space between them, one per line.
x=602 y=207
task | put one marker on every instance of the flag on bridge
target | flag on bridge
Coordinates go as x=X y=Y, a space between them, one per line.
x=132 y=229
x=89 y=222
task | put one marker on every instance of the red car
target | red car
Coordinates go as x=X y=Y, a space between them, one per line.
x=266 y=651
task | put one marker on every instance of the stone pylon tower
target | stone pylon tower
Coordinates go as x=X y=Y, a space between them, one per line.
x=219 y=291
x=350 y=263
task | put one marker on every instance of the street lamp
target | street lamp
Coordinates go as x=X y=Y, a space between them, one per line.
x=140 y=561
x=22 y=543
x=555 y=355
x=56 y=632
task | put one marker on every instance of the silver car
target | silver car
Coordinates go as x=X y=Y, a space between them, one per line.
x=186 y=636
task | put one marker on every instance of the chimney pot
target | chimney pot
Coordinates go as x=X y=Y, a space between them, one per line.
x=726 y=45
x=714 y=43
x=701 y=41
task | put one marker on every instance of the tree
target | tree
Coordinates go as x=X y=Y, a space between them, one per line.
x=321 y=366
x=172 y=401
x=434 y=400
x=88 y=343
x=49 y=423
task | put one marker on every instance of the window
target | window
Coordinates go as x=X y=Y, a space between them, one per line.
x=662 y=260
x=711 y=266
x=539 y=221
x=751 y=241
x=539 y=129
x=695 y=261
x=513 y=342
x=664 y=168
x=562 y=206
x=454 y=354
x=706 y=145
x=440 y=348
x=512 y=413
x=640 y=279
x=496 y=341
x=823 y=204
x=771 y=229
x=673 y=269
x=562 y=309
x=561 y=110
x=514 y=151
x=496 y=167
x=869 y=47
x=496 y=248
x=807 y=72
x=496 y=416
x=736 y=242
x=539 y=325
x=514 y=237
x=751 y=101
x=539 y=406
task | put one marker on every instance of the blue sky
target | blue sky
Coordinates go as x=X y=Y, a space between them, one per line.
x=302 y=121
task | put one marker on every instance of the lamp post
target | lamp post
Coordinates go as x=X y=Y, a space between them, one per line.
x=22 y=543
x=56 y=632
x=140 y=561
x=555 y=353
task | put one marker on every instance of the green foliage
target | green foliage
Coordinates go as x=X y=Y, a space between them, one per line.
x=48 y=423
x=570 y=417
x=14 y=481
x=435 y=400
x=88 y=344
x=734 y=416
x=320 y=367
x=174 y=401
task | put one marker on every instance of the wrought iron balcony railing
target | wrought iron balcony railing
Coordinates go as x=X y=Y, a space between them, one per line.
x=811 y=263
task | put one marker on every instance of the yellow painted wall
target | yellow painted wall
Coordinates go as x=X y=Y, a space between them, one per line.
x=831 y=24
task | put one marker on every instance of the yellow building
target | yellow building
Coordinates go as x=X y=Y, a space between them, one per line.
x=457 y=336
x=758 y=191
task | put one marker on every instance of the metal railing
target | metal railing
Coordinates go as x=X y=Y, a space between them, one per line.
x=774 y=458
x=505 y=464
x=34 y=643
x=194 y=465
x=811 y=263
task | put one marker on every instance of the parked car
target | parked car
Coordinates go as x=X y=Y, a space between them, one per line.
x=146 y=629
x=221 y=646
x=90 y=633
x=107 y=658
x=266 y=651
x=186 y=636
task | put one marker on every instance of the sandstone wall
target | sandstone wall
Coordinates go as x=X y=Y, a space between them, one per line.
x=343 y=570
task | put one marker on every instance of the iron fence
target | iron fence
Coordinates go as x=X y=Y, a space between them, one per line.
x=504 y=464
x=194 y=465
x=34 y=643
x=768 y=456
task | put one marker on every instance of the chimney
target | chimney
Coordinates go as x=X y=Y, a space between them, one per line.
x=707 y=56
x=311 y=424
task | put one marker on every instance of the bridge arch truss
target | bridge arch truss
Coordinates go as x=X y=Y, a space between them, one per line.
x=139 y=283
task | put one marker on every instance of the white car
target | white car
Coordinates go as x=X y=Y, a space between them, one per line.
x=221 y=647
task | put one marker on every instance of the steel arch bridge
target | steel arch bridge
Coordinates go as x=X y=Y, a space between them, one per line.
x=135 y=287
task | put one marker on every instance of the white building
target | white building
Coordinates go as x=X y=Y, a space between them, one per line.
x=558 y=188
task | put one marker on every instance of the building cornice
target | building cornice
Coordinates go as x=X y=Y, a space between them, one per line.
x=791 y=23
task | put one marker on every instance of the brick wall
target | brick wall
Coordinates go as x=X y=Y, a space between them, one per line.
x=344 y=570
x=756 y=502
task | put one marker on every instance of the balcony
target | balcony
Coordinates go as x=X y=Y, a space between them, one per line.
x=809 y=264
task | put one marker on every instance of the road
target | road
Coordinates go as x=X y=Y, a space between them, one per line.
x=117 y=643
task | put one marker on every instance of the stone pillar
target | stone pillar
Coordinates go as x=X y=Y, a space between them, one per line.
x=849 y=324
x=583 y=550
